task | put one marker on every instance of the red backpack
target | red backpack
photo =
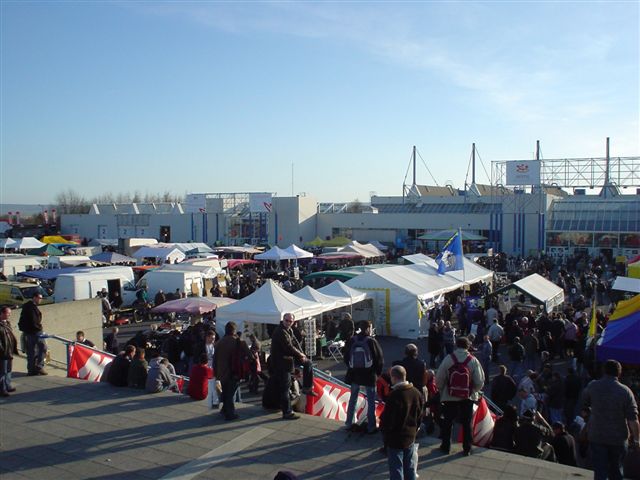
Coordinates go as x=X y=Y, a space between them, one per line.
x=459 y=385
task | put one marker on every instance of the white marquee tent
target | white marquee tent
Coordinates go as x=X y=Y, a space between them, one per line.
x=539 y=289
x=472 y=273
x=367 y=251
x=266 y=305
x=626 y=284
x=298 y=252
x=275 y=254
x=7 y=242
x=403 y=294
x=345 y=295
x=27 y=243
x=165 y=254
x=328 y=302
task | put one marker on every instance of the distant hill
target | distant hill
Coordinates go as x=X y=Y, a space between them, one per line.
x=23 y=208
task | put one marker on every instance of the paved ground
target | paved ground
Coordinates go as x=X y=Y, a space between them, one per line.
x=58 y=428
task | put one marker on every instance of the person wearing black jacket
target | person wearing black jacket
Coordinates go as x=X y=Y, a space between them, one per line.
x=435 y=342
x=119 y=367
x=563 y=445
x=399 y=423
x=415 y=368
x=283 y=357
x=31 y=325
x=503 y=388
x=364 y=360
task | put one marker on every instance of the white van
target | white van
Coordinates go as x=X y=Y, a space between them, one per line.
x=86 y=283
x=192 y=283
x=68 y=261
x=11 y=266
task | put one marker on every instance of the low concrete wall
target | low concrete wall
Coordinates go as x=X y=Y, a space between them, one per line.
x=65 y=319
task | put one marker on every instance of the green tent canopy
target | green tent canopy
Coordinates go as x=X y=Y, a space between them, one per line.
x=48 y=250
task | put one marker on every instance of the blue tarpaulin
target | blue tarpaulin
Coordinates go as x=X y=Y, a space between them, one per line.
x=621 y=340
x=49 y=274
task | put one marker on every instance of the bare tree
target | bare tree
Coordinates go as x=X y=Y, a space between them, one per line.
x=355 y=207
x=70 y=201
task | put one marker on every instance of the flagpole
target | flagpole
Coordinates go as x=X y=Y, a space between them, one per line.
x=464 y=278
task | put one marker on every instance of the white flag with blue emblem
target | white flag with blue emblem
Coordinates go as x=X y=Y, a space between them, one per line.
x=451 y=256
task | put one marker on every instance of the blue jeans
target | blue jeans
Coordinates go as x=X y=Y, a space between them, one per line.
x=5 y=374
x=608 y=461
x=36 y=350
x=371 y=406
x=403 y=463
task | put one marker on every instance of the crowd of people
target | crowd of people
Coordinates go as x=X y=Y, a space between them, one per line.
x=537 y=370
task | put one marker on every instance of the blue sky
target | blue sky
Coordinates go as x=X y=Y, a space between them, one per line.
x=226 y=96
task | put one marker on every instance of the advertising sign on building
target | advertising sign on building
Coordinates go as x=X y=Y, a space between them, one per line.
x=260 y=202
x=523 y=172
x=196 y=203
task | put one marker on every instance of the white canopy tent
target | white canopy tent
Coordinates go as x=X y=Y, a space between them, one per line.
x=473 y=273
x=344 y=294
x=626 y=284
x=27 y=243
x=298 y=252
x=403 y=294
x=266 y=305
x=367 y=251
x=539 y=289
x=172 y=255
x=7 y=242
x=206 y=270
x=378 y=245
x=328 y=302
x=275 y=254
x=185 y=247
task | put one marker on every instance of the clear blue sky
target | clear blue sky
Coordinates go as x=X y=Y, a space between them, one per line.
x=225 y=96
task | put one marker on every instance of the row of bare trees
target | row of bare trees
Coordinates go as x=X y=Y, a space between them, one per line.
x=70 y=201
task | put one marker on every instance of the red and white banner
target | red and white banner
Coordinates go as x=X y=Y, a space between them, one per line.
x=481 y=425
x=86 y=363
x=333 y=399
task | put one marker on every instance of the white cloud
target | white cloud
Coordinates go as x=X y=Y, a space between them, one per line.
x=515 y=71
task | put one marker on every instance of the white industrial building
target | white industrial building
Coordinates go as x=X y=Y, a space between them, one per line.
x=536 y=215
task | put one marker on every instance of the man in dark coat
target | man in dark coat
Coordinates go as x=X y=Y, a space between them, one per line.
x=283 y=357
x=364 y=359
x=532 y=435
x=223 y=360
x=399 y=423
x=30 y=324
x=564 y=445
x=503 y=388
x=415 y=368
x=346 y=327
x=8 y=348
x=119 y=368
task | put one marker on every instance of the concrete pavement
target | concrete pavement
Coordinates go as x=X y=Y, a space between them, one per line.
x=57 y=428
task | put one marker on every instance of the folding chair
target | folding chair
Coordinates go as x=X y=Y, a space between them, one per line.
x=335 y=350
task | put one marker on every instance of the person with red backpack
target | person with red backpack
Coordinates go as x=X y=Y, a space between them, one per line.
x=460 y=379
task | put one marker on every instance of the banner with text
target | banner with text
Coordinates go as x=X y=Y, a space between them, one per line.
x=332 y=401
